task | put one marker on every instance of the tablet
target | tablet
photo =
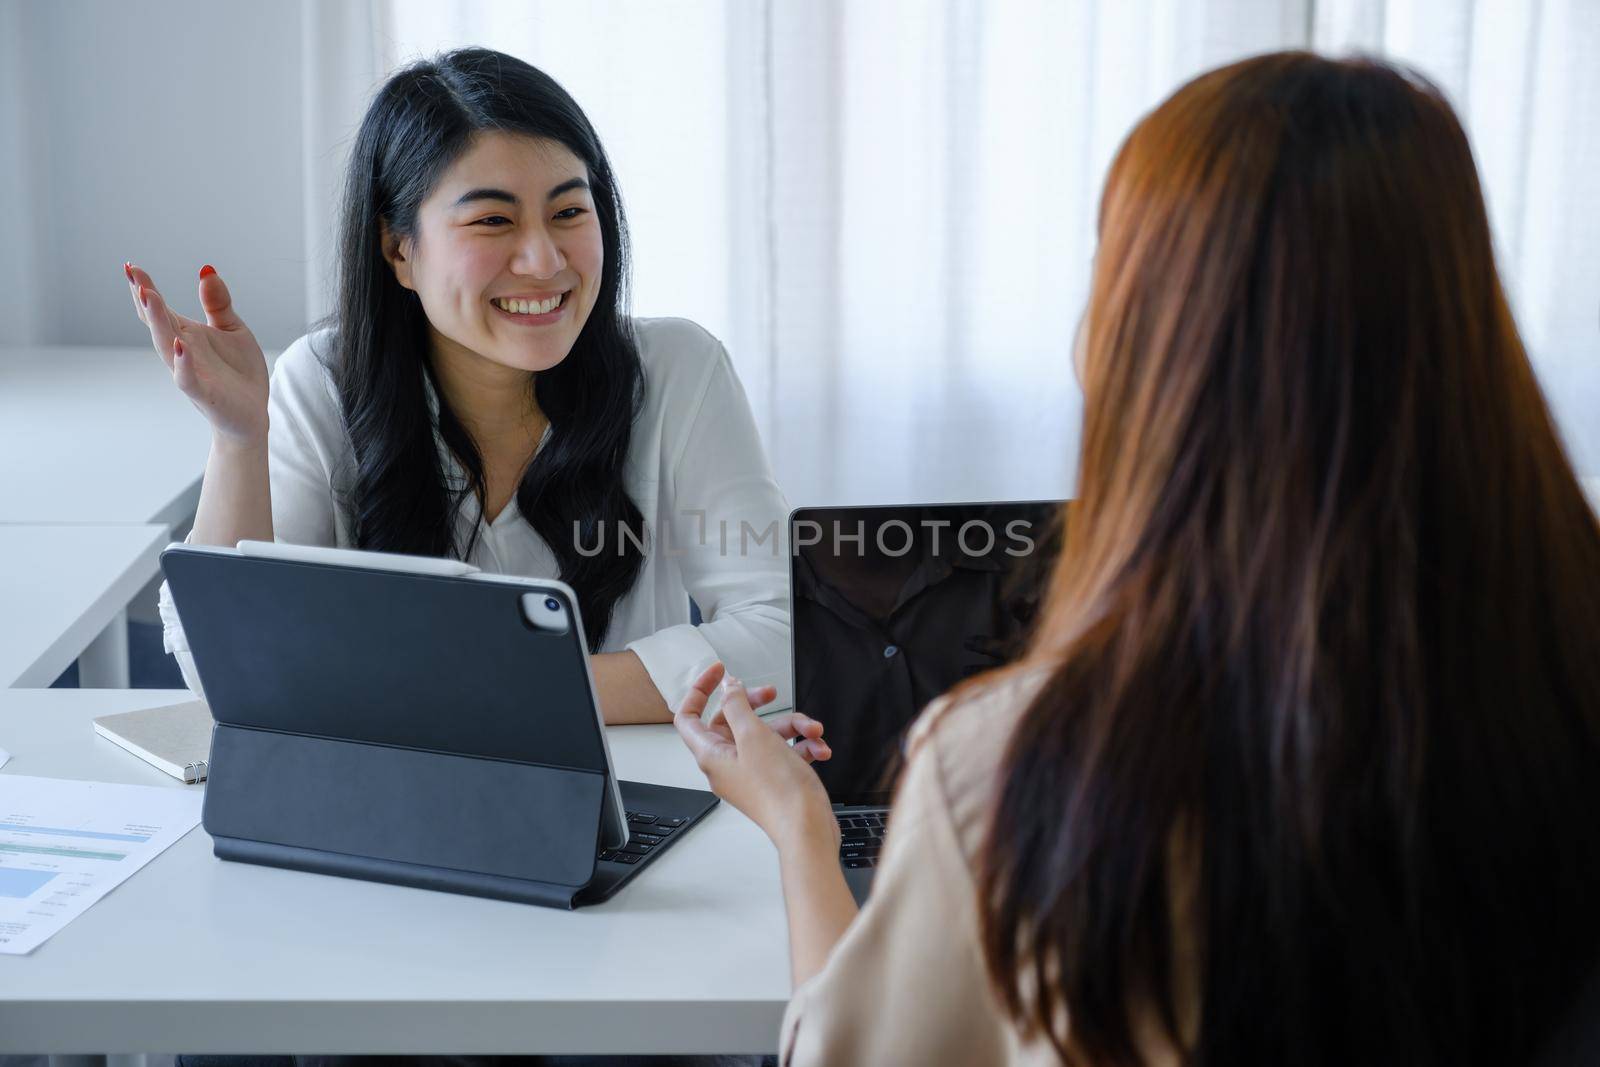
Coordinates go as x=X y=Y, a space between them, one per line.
x=416 y=653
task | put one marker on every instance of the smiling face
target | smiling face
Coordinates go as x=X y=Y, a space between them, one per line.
x=508 y=253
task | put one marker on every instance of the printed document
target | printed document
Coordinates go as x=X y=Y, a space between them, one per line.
x=64 y=845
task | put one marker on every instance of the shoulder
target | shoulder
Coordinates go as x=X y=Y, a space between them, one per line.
x=960 y=742
x=302 y=379
x=681 y=361
x=674 y=339
x=692 y=400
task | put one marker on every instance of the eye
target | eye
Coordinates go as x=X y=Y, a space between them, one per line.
x=491 y=221
x=571 y=213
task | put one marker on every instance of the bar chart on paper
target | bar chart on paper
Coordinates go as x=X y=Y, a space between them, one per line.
x=64 y=845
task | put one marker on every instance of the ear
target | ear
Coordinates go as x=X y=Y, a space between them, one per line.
x=397 y=251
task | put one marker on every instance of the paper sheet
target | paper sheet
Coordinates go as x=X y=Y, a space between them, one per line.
x=64 y=845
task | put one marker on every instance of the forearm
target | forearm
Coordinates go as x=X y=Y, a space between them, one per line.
x=818 y=902
x=235 y=497
x=627 y=695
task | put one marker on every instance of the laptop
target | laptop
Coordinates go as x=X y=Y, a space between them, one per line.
x=413 y=721
x=892 y=606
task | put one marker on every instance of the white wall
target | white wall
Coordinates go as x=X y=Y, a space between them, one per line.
x=19 y=317
x=182 y=132
x=166 y=134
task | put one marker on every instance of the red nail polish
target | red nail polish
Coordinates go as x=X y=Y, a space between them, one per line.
x=207 y=269
x=127 y=268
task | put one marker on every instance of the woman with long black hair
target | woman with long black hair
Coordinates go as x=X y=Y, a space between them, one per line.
x=481 y=393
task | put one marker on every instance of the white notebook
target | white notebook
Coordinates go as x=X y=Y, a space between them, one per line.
x=175 y=738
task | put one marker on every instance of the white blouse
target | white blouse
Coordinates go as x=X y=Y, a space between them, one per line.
x=715 y=518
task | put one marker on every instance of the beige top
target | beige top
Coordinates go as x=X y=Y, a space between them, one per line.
x=907 y=982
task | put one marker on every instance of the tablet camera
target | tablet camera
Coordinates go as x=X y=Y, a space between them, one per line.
x=545 y=613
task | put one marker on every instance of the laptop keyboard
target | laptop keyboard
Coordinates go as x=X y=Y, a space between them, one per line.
x=860 y=837
x=645 y=833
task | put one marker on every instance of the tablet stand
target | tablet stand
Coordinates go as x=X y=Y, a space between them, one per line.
x=483 y=827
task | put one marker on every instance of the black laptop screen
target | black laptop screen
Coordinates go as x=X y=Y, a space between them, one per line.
x=892 y=606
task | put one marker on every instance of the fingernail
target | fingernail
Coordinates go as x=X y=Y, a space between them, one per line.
x=206 y=270
x=127 y=268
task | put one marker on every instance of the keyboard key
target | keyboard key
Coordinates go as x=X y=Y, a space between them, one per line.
x=625 y=857
x=674 y=823
x=644 y=838
x=640 y=819
x=609 y=854
x=855 y=833
x=636 y=848
x=857 y=864
x=849 y=853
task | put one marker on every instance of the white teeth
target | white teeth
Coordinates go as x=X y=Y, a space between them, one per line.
x=529 y=307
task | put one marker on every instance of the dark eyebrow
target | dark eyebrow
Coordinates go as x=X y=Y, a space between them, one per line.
x=487 y=194
x=567 y=187
x=512 y=199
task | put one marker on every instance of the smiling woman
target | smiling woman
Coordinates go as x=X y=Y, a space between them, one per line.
x=519 y=253
x=481 y=392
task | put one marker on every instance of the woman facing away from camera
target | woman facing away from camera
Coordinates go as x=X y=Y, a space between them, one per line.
x=1303 y=763
x=482 y=394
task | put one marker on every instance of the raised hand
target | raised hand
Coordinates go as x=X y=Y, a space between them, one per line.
x=217 y=364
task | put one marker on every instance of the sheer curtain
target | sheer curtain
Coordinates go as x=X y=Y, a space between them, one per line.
x=1523 y=76
x=886 y=210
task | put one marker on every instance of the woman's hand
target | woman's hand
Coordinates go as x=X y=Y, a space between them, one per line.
x=217 y=364
x=750 y=763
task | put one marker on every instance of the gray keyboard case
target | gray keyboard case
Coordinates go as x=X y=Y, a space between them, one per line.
x=404 y=728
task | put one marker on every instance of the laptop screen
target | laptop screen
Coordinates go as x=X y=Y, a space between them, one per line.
x=893 y=606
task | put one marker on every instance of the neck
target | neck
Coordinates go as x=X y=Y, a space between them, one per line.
x=492 y=400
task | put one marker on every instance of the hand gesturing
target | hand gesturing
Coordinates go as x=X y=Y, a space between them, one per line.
x=217 y=364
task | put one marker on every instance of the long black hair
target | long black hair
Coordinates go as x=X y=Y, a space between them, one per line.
x=419 y=123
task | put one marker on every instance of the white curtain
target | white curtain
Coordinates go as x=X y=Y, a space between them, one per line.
x=1524 y=77
x=344 y=56
x=886 y=209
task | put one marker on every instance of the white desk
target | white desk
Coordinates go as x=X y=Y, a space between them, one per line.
x=96 y=435
x=63 y=594
x=194 y=954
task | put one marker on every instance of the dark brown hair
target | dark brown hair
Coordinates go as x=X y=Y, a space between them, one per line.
x=1314 y=773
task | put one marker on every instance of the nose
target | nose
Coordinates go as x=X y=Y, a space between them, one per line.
x=538 y=255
